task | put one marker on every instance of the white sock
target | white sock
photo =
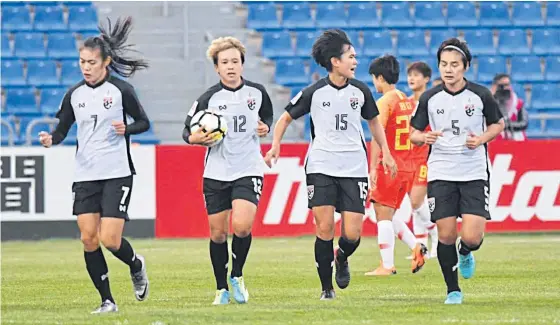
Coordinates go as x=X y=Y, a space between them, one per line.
x=386 y=241
x=434 y=237
x=403 y=232
x=419 y=227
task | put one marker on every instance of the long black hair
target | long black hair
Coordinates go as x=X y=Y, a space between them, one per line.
x=111 y=43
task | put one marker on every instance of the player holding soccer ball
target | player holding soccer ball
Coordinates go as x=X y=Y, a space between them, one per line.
x=233 y=173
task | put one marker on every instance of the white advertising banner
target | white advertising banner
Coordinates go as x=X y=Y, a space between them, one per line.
x=36 y=183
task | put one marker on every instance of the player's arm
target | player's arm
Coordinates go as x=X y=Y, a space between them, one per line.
x=132 y=107
x=493 y=116
x=378 y=125
x=200 y=104
x=266 y=111
x=420 y=120
x=65 y=118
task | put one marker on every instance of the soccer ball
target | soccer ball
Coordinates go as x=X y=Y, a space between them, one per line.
x=210 y=121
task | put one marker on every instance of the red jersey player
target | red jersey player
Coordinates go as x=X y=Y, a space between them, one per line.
x=419 y=74
x=387 y=193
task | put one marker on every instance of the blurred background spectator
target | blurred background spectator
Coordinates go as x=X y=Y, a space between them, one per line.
x=512 y=108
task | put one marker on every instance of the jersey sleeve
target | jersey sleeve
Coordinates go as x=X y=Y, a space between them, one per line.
x=490 y=108
x=420 y=119
x=133 y=107
x=201 y=104
x=370 y=109
x=300 y=104
x=66 y=118
x=266 y=112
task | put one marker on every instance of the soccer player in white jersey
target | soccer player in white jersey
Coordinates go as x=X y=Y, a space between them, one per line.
x=234 y=168
x=463 y=117
x=103 y=171
x=336 y=164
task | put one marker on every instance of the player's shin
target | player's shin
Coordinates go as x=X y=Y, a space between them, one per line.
x=403 y=233
x=386 y=241
x=126 y=254
x=99 y=273
x=324 y=258
x=346 y=248
x=447 y=256
x=239 y=251
x=220 y=258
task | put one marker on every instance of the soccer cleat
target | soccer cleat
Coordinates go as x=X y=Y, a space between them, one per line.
x=140 y=281
x=106 y=307
x=418 y=259
x=328 y=295
x=467 y=265
x=454 y=298
x=342 y=273
x=240 y=293
x=382 y=271
x=222 y=297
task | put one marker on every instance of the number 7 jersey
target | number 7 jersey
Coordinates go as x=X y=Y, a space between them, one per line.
x=395 y=111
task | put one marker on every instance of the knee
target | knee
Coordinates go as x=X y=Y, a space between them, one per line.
x=111 y=241
x=241 y=228
x=473 y=241
x=90 y=240
x=416 y=204
x=353 y=234
x=325 y=230
x=447 y=237
x=218 y=235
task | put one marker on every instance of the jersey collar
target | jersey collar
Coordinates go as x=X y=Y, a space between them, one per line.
x=458 y=91
x=107 y=76
x=233 y=89
x=335 y=86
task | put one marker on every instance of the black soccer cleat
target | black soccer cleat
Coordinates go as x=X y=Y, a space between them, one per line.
x=342 y=274
x=328 y=295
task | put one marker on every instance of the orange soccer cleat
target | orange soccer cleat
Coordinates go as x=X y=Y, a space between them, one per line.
x=418 y=257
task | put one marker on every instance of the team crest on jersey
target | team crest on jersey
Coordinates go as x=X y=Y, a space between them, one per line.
x=107 y=102
x=310 y=191
x=432 y=203
x=354 y=103
x=469 y=109
x=251 y=103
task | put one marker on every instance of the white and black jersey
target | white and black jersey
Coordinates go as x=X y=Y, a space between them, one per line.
x=338 y=146
x=239 y=153
x=101 y=153
x=457 y=114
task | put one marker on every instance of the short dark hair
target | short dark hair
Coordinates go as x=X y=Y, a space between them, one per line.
x=421 y=67
x=386 y=66
x=455 y=42
x=499 y=77
x=329 y=45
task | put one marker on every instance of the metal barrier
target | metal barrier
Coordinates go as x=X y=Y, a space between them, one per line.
x=29 y=136
x=11 y=131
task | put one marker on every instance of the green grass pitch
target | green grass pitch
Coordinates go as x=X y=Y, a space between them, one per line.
x=517 y=282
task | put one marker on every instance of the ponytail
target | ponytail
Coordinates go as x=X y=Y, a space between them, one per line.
x=111 y=43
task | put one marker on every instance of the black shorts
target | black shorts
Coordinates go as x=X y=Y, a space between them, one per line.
x=344 y=193
x=109 y=197
x=218 y=195
x=448 y=199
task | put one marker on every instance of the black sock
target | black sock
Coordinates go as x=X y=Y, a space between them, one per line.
x=447 y=256
x=464 y=249
x=126 y=254
x=220 y=258
x=324 y=256
x=239 y=250
x=99 y=273
x=346 y=248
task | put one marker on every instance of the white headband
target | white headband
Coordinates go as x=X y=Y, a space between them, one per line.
x=456 y=49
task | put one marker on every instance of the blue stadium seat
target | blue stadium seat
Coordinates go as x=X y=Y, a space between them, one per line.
x=70 y=73
x=35 y=129
x=262 y=16
x=461 y=14
x=429 y=14
x=5 y=132
x=43 y=3
x=51 y=98
x=494 y=14
x=545 y=96
x=412 y=42
x=431 y=61
x=480 y=41
x=72 y=137
x=42 y=73
x=553 y=13
x=534 y=127
x=396 y=15
x=378 y=43
x=362 y=71
x=6 y=49
x=290 y=72
x=62 y=46
x=489 y=66
x=21 y=102
x=6 y=4
x=552 y=70
x=12 y=73
x=471 y=73
x=546 y=41
x=82 y=18
x=438 y=36
x=315 y=68
x=49 y=18
x=526 y=68
x=354 y=37
x=519 y=90
x=30 y=45
x=527 y=14
x=363 y=15
x=147 y=137
x=552 y=127
x=330 y=15
x=513 y=42
x=304 y=43
x=297 y=15
x=15 y=18
x=77 y=3
x=277 y=45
